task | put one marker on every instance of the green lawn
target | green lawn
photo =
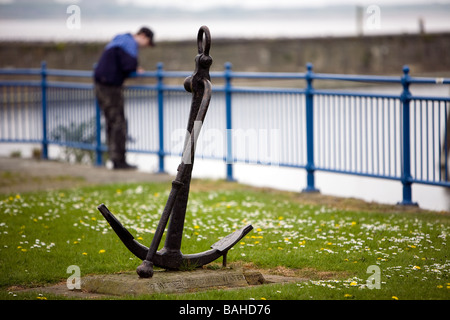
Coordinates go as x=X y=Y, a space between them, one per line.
x=43 y=233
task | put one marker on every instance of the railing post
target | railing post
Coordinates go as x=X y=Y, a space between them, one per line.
x=160 y=88
x=406 y=178
x=44 y=154
x=228 y=116
x=310 y=168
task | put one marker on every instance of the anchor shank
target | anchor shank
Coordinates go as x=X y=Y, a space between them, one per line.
x=176 y=225
x=175 y=230
x=200 y=86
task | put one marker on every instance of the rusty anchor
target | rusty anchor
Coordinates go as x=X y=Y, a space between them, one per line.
x=170 y=256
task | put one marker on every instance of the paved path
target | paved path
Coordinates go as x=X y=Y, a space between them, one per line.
x=22 y=175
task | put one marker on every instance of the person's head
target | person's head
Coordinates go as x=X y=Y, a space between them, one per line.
x=144 y=37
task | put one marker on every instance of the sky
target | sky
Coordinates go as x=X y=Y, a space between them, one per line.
x=323 y=20
x=255 y=4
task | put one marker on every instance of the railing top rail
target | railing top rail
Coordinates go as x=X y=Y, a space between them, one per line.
x=20 y=71
x=234 y=74
x=358 y=78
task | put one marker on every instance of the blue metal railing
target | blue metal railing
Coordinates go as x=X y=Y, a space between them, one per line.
x=400 y=136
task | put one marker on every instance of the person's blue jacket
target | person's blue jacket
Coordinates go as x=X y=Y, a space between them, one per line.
x=117 y=61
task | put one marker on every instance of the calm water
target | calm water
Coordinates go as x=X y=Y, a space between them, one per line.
x=299 y=24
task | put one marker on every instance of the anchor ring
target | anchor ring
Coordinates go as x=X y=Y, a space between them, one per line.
x=203 y=30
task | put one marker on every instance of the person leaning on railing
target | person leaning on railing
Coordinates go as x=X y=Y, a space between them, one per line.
x=118 y=60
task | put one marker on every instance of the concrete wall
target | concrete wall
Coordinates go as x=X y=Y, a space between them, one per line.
x=428 y=53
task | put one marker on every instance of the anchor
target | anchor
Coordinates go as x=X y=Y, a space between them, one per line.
x=170 y=256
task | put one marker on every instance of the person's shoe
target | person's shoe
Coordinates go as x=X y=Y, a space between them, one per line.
x=123 y=166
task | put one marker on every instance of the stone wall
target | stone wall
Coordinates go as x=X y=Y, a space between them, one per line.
x=428 y=53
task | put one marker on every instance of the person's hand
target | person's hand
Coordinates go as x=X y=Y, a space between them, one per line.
x=140 y=70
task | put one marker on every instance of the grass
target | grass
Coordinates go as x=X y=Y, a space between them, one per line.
x=43 y=233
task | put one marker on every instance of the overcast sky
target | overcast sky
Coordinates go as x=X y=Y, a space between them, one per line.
x=255 y=4
x=196 y=4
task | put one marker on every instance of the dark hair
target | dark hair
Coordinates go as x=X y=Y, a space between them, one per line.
x=148 y=33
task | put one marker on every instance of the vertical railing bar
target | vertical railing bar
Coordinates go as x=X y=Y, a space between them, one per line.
x=427 y=140
x=24 y=117
x=320 y=135
x=376 y=137
x=349 y=132
x=335 y=131
x=389 y=122
x=439 y=142
x=397 y=151
x=447 y=106
x=366 y=120
x=160 y=89
x=44 y=110
x=19 y=115
x=342 y=130
x=13 y=112
x=372 y=135
x=330 y=130
x=415 y=142
x=357 y=134
x=433 y=145
x=295 y=130
x=228 y=119
x=383 y=139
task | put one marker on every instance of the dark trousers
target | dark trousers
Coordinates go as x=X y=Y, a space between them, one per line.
x=110 y=100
